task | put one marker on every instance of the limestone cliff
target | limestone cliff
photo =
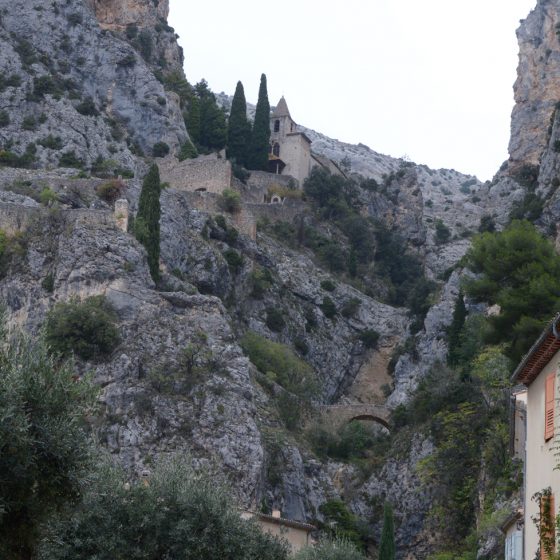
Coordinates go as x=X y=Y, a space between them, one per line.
x=91 y=93
x=537 y=89
x=118 y=14
x=90 y=88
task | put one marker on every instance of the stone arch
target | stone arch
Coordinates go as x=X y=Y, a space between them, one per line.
x=275 y=199
x=202 y=189
x=370 y=418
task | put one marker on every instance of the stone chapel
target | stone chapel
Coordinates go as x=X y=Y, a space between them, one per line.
x=290 y=150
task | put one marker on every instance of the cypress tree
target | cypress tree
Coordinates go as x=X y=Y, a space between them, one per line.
x=239 y=128
x=260 y=138
x=387 y=546
x=454 y=331
x=146 y=225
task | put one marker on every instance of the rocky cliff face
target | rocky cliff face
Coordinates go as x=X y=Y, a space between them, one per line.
x=537 y=89
x=80 y=90
x=118 y=14
x=89 y=89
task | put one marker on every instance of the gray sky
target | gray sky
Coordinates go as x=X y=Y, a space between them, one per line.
x=430 y=79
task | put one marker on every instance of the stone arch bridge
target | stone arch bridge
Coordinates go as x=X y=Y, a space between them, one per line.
x=339 y=414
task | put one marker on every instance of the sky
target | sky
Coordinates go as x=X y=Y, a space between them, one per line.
x=428 y=79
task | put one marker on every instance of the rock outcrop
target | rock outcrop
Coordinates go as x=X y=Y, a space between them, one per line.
x=118 y=14
x=89 y=91
x=537 y=89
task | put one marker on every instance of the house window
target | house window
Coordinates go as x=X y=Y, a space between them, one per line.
x=276 y=150
x=514 y=546
x=276 y=126
x=549 y=407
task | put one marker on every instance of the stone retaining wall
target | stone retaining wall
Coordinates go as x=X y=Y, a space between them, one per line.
x=205 y=173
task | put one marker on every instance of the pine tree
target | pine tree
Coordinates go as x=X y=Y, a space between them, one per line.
x=146 y=225
x=192 y=119
x=239 y=128
x=260 y=138
x=213 y=128
x=387 y=546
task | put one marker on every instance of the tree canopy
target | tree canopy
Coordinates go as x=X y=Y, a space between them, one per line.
x=177 y=513
x=239 y=127
x=44 y=445
x=212 y=132
x=518 y=270
x=146 y=225
x=260 y=137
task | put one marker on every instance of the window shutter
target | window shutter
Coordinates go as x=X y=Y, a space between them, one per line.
x=517 y=546
x=549 y=407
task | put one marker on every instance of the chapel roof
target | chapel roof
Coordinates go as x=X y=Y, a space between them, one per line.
x=281 y=109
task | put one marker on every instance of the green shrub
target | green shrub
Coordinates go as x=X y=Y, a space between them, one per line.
x=111 y=190
x=188 y=151
x=69 y=159
x=291 y=372
x=47 y=196
x=328 y=307
x=275 y=319
x=74 y=19
x=131 y=31
x=234 y=259
x=44 y=85
x=87 y=107
x=48 y=283
x=146 y=44
x=128 y=61
x=350 y=307
x=328 y=285
x=341 y=523
x=160 y=149
x=301 y=345
x=338 y=549
x=230 y=201
x=354 y=441
x=9 y=81
x=29 y=123
x=443 y=234
x=12 y=249
x=51 y=142
x=261 y=281
x=487 y=223
x=289 y=410
x=87 y=329
x=369 y=338
x=25 y=51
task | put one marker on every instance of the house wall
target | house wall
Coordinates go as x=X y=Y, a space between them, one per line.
x=541 y=462
x=209 y=173
x=296 y=153
x=297 y=538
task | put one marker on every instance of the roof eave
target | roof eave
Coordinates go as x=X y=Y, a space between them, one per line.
x=516 y=376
